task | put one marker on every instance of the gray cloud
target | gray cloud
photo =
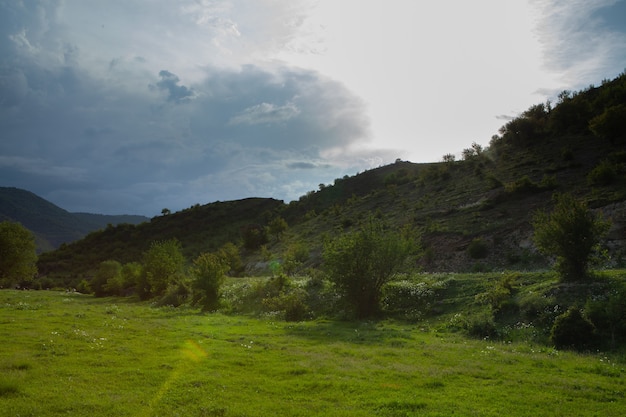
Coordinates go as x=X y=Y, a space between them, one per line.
x=112 y=139
x=266 y=113
x=301 y=165
x=169 y=82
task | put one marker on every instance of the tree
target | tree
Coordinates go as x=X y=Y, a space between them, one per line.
x=106 y=281
x=254 y=235
x=208 y=272
x=162 y=265
x=360 y=263
x=18 y=259
x=571 y=233
x=230 y=254
x=610 y=124
x=277 y=227
x=295 y=256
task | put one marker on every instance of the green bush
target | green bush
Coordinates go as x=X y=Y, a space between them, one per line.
x=105 y=281
x=571 y=330
x=478 y=249
x=604 y=173
x=571 y=233
x=208 y=273
x=175 y=295
x=292 y=305
x=18 y=259
x=499 y=296
x=295 y=256
x=608 y=314
x=610 y=124
x=362 y=262
x=162 y=265
x=481 y=325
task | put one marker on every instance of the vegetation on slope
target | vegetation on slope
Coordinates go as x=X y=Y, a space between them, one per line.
x=473 y=214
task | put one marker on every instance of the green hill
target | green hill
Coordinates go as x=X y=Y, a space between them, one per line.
x=51 y=224
x=473 y=212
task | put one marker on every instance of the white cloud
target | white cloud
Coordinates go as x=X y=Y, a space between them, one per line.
x=576 y=42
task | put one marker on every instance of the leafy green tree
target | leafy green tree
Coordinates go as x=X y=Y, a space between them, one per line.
x=163 y=263
x=610 y=124
x=362 y=262
x=18 y=259
x=230 y=254
x=131 y=274
x=106 y=280
x=208 y=272
x=254 y=236
x=296 y=255
x=571 y=233
x=277 y=227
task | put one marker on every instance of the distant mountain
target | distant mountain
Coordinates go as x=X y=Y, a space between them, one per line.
x=51 y=224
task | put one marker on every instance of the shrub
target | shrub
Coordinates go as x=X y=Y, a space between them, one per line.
x=360 y=263
x=523 y=185
x=610 y=124
x=499 y=296
x=105 y=279
x=291 y=305
x=570 y=232
x=481 y=325
x=208 y=272
x=478 y=249
x=572 y=331
x=608 y=315
x=230 y=254
x=254 y=236
x=175 y=295
x=162 y=266
x=18 y=259
x=603 y=174
x=295 y=256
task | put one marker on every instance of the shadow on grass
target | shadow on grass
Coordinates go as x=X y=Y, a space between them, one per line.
x=357 y=332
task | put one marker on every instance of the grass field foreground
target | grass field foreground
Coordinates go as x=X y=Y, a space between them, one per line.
x=72 y=354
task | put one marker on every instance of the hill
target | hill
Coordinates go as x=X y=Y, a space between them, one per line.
x=473 y=214
x=51 y=224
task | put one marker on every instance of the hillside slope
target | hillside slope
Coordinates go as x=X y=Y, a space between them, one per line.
x=472 y=214
x=51 y=224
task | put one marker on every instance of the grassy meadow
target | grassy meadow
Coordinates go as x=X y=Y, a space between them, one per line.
x=72 y=354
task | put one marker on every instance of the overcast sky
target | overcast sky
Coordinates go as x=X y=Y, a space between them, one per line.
x=131 y=106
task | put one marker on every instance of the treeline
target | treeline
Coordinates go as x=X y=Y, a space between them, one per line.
x=600 y=111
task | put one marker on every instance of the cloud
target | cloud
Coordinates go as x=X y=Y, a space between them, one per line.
x=301 y=165
x=176 y=93
x=580 y=38
x=265 y=113
x=106 y=134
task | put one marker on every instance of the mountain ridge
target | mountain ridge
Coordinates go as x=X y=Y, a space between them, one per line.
x=51 y=224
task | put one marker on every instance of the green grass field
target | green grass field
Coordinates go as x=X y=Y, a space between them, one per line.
x=69 y=354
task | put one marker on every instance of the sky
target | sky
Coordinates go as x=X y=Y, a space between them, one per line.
x=132 y=106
